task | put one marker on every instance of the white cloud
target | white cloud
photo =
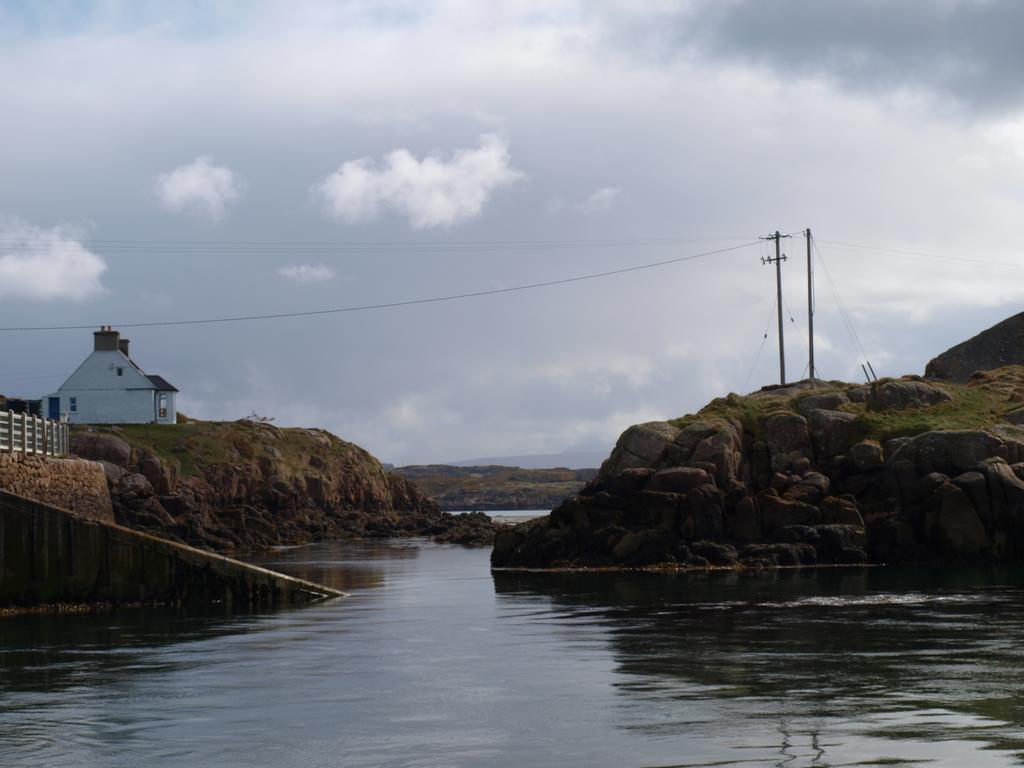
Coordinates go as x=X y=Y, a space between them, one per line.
x=598 y=201
x=307 y=273
x=433 y=192
x=199 y=186
x=44 y=264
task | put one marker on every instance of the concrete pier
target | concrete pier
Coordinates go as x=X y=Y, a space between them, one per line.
x=49 y=556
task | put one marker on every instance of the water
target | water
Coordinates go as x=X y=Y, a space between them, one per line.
x=433 y=661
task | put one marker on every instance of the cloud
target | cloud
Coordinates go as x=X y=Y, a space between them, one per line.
x=307 y=273
x=44 y=264
x=199 y=186
x=967 y=49
x=433 y=192
x=598 y=201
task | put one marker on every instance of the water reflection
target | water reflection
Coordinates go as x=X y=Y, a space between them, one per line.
x=348 y=566
x=433 y=662
x=67 y=650
x=821 y=667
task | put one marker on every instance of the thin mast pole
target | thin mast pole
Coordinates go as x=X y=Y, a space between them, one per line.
x=778 y=285
x=810 y=308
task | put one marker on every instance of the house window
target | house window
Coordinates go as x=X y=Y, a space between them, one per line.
x=73 y=404
x=120 y=371
x=162 y=410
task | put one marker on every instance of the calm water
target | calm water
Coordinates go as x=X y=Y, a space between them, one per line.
x=433 y=661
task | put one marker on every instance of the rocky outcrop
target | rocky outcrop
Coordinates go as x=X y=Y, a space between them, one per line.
x=900 y=395
x=798 y=477
x=236 y=486
x=995 y=347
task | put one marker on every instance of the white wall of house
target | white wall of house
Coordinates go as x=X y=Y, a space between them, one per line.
x=107 y=388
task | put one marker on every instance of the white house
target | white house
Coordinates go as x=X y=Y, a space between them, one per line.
x=109 y=388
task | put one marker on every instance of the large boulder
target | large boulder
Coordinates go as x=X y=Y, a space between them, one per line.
x=845 y=544
x=678 y=479
x=723 y=450
x=897 y=395
x=955 y=527
x=831 y=432
x=690 y=437
x=653 y=509
x=1003 y=491
x=133 y=486
x=787 y=439
x=703 y=514
x=102 y=447
x=830 y=401
x=640 y=446
x=743 y=522
x=949 y=452
x=629 y=481
x=777 y=512
x=811 y=488
x=163 y=476
x=865 y=456
x=841 y=510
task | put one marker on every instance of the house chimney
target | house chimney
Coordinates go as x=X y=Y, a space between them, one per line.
x=122 y=344
x=105 y=339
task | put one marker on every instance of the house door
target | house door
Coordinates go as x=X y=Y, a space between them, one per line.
x=54 y=408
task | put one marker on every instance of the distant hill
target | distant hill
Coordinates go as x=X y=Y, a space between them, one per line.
x=569 y=459
x=495 y=488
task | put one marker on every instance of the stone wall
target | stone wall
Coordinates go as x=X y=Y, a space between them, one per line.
x=77 y=485
x=49 y=557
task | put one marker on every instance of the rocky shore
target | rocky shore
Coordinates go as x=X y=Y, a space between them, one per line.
x=243 y=486
x=904 y=470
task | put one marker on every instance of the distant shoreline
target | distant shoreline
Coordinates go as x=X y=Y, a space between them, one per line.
x=508 y=516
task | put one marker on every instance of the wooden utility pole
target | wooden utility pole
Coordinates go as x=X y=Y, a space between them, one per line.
x=810 y=308
x=777 y=261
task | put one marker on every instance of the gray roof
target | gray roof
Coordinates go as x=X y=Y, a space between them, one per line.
x=161 y=384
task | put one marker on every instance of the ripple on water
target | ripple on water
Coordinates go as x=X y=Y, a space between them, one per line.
x=435 y=662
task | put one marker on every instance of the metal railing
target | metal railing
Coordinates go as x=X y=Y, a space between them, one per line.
x=32 y=435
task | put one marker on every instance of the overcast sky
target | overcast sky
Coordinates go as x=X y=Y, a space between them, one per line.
x=170 y=161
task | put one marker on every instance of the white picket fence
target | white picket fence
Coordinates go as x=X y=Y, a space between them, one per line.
x=32 y=435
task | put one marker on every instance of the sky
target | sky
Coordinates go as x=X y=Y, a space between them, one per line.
x=180 y=161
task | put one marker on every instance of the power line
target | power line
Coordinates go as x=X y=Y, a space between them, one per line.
x=243 y=247
x=392 y=304
x=843 y=314
x=923 y=255
x=764 y=340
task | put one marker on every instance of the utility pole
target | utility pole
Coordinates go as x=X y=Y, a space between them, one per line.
x=777 y=261
x=810 y=307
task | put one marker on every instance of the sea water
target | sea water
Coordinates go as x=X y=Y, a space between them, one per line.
x=432 y=660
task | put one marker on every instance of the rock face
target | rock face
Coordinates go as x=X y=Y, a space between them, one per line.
x=998 y=346
x=231 y=486
x=801 y=477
